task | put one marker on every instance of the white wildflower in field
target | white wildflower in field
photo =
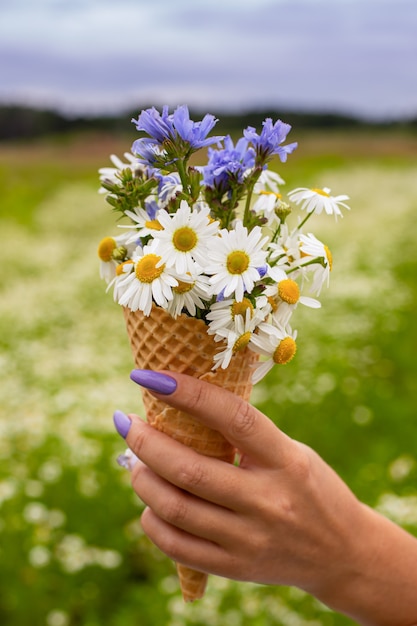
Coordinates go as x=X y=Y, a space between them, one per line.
x=65 y=360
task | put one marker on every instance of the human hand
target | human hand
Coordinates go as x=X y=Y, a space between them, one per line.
x=282 y=516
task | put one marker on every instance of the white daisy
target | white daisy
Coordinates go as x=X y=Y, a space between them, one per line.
x=145 y=223
x=111 y=174
x=268 y=181
x=119 y=281
x=222 y=314
x=189 y=295
x=315 y=200
x=286 y=250
x=277 y=343
x=185 y=238
x=237 y=338
x=311 y=247
x=111 y=251
x=285 y=295
x=267 y=202
x=149 y=281
x=236 y=261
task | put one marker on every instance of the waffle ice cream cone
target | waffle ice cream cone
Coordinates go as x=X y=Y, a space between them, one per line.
x=160 y=342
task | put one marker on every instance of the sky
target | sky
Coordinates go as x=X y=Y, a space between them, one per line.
x=88 y=57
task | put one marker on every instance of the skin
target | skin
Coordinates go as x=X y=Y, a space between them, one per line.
x=306 y=528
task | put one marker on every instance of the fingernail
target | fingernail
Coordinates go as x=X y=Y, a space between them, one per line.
x=161 y=383
x=127 y=460
x=122 y=423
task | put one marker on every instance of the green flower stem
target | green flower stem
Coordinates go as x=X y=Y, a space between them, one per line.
x=307 y=217
x=182 y=171
x=254 y=178
x=318 y=259
x=246 y=216
x=230 y=213
x=276 y=233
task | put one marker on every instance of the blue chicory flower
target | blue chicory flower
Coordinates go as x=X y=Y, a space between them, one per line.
x=229 y=163
x=149 y=153
x=167 y=185
x=262 y=270
x=269 y=141
x=151 y=207
x=194 y=133
x=158 y=127
x=175 y=127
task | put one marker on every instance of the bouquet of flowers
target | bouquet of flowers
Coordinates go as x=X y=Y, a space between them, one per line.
x=207 y=268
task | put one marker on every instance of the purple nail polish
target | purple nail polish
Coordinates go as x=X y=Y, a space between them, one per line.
x=122 y=423
x=161 y=383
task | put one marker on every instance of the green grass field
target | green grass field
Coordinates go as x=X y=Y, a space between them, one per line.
x=72 y=552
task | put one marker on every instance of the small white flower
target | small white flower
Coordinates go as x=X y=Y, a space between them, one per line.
x=127 y=460
x=268 y=181
x=235 y=260
x=143 y=224
x=121 y=280
x=111 y=174
x=267 y=202
x=189 y=294
x=238 y=338
x=112 y=250
x=149 y=281
x=222 y=314
x=185 y=237
x=315 y=200
x=286 y=250
x=310 y=246
x=277 y=343
x=285 y=295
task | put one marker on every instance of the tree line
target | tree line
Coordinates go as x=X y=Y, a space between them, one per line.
x=21 y=122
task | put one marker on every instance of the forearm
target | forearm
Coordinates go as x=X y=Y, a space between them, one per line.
x=379 y=587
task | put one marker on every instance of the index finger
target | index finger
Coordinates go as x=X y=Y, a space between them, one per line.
x=246 y=428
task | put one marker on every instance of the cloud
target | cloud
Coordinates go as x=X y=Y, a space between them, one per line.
x=350 y=55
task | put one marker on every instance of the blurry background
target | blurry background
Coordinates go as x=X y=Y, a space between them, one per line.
x=72 y=74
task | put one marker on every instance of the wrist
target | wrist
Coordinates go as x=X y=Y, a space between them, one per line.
x=376 y=579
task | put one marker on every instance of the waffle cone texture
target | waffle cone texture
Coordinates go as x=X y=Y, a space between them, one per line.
x=160 y=342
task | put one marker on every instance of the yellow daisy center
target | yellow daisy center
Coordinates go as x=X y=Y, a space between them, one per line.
x=285 y=351
x=120 y=268
x=183 y=287
x=237 y=262
x=289 y=291
x=264 y=192
x=153 y=225
x=184 y=239
x=105 y=249
x=329 y=257
x=274 y=304
x=242 y=341
x=240 y=308
x=321 y=192
x=146 y=270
